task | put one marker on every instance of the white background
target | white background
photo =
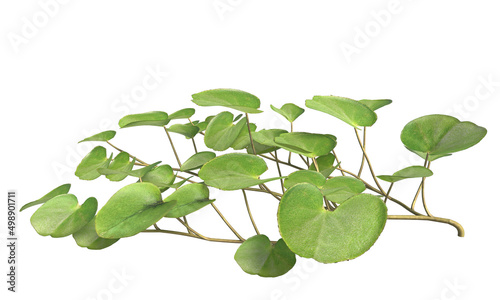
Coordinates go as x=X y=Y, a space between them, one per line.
x=64 y=77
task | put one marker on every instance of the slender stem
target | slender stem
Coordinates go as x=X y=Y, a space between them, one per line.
x=340 y=167
x=455 y=224
x=269 y=191
x=368 y=162
x=250 y=135
x=250 y=213
x=315 y=164
x=282 y=162
x=194 y=236
x=142 y=162
x=227 y=223
x=304 y=160
x=173 y=147
x=186 y=221
x=421 y=184
x=262 y=190
x=279 y=170
x=290 y=153
x=423 y=194
x=194 y=145
x=200 y=132
x=388 y=191
x=188 y=172
x=364 y=147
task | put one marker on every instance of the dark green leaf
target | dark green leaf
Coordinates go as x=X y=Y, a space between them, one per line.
x=234 y=99
x=100 y=137
x=348 y=110
x=87 y=237
x=409 y=172
x=190 y=198
x=87 y=169
x=60 y=190
x=308 y=144
x=153 y=118
x=197 y=160
x=221 y=132
x=289 y=110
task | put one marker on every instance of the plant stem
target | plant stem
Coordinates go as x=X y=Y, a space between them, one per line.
x=364 y=147
x=368 y=162
x=388 y=191
x=304 y=160
x=269 y=191
x=194 y=145
x=455 y=224
x=423 y=194
x=421 y=184
x=282 y=162
x=227 y=223
x=339 y=167
x=249 y=212
x=315 y=164
x=173 y=147
x=279 y=170
x=142 y=162
x=250 y=135
x=262 y=190
x=290 y=153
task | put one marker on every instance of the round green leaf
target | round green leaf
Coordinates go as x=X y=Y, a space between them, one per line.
x=190 y=198
x=153 y=118
x=221 y=133
x=266 y=137
x=162 y=176
x=60 y=190
x=187 y=130
x=185 y=113
x=131 y=210
x=234 y=99
x=325 y=164
x=197 y=160
x=307 y=144
x=88 y=167
x=375 y=104
x=243 y=139
x=62 y=216
x=258 y=256
x=135 y=173
x=340 y=188
x=300 y=176
x=440 y=135
x=87 y=237
x=289 y=110
x=234 y=171
x=311 y=231
x=348 y=110
x=409 y=172
x=121 y=162
x=100 y=137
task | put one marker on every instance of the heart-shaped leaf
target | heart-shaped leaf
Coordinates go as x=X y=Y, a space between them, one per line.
x=153 y=118
x=307 y=144
x=190 y=198
x=409 y=172
x=187 y=130
x=289 y=110
x=162 y=176
x=87 y=169
x=100 y=137
x=234 y=99
x=221 y=132
x=234 y=171
x=311 y=231
x=325 y=164
x=258 y=256
x=185 y=113
x=131 y=210
x=348 y=110
x=340 y=188
x=60 y=190
x=440 y=135
x=62 y=216
x=197 y=160
x=375 y=104
x=300 y=176
x=87 y=237
x=121 y=162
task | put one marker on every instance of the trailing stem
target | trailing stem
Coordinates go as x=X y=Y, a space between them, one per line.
x=173 y=147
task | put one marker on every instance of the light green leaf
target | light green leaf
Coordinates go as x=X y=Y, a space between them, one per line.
x=162 y=176
x=339 y=189
x=197 y=160
x=325 y=164
x=185 y=113
x=187 y=130
x=100 y=137
x=135 y=173
x=221 y=133
x=234 y=171
x=289 y=110
x=60 y=190
x=87 y=237
x=258 y=256
x=87 y=169
x=348 y=110
x=431 y=157
x=409 y=172
x=234 y=99
x=243 y=139
x=131 y=210
x=153 y=118
x=121 y=162
x=439 y=135
x=311 y=231
x=190 y=198
x=375 y=104
x=266 y=137
x=62 y=216
x=301 y=176
x=308 y=144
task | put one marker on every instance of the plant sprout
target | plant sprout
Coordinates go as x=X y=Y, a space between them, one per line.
x=325 y=212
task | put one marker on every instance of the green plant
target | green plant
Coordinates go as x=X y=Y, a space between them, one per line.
x=328 y=218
